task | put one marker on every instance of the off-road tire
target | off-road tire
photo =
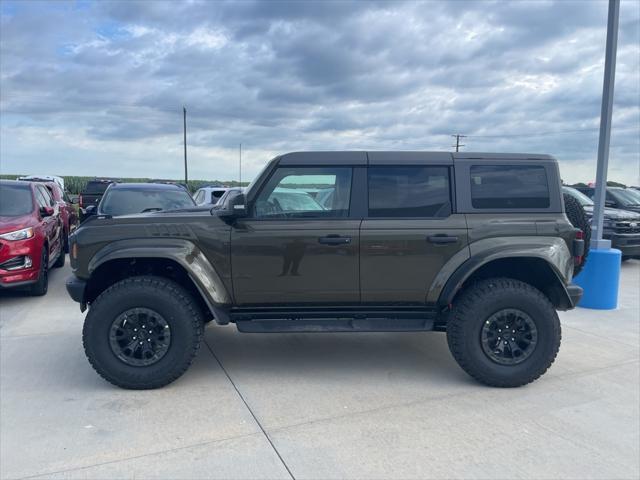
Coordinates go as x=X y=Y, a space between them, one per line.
x=475 y=305
x=60 y=260
x=41 y=286
x=579 y=219
x=162 y=295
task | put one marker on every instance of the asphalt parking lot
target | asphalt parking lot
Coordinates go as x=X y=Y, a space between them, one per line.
x=318 y=405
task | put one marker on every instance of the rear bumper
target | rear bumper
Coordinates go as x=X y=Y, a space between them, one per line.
x=76 y=287
x=575 y=293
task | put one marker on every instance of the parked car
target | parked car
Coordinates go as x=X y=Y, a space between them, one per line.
x=68 y=212
x=128 y=198
x=226 y=196
x=92 y=194
x=622 y=227
x=44 y=179
x=209 y=195
x=617 y=197
x=488 y=258
x=31 y=236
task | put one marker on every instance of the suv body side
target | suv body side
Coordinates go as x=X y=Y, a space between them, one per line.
x=355 y=260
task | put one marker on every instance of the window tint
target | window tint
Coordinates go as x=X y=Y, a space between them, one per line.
x=293 y=192
x=509 y=186
x=125 y=202
x=409 y=192
x=42 y=197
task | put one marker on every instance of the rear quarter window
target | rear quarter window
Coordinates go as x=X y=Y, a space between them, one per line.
x=509 y=186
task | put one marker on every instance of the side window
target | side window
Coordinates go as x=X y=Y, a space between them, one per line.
x=409 y=191
x=305 y=192
x=47 y=195
x=41 y=199
x=199 y=196
x=509 y=186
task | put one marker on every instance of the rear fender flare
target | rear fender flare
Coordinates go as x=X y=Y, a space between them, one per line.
x=552 y=250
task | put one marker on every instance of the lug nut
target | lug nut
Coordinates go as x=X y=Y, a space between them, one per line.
x=134 y=338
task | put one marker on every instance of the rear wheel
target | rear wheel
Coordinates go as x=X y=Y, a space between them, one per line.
x=42 y=284
x=142 y=332
x=503 y=332
x=578 y=218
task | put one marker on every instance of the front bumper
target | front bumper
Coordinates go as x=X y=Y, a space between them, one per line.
x=627 y=243
x=20 y=250
x=76 y=287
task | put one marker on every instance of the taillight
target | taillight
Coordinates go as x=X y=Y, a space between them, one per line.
x=578 y=248
x=80 y=200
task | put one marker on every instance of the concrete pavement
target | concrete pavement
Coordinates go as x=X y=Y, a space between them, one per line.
x=318 y=405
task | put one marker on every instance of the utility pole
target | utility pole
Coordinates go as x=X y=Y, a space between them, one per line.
x=240 y=165
x=605 y=127
x=458 y=137
x=184 y=121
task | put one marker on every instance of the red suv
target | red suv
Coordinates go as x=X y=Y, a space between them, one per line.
x=68 y=213
x=31 y=235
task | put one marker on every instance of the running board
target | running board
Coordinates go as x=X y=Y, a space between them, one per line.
x=334 y=319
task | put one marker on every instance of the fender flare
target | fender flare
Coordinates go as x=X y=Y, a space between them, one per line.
x=183 y=252
x=554 y=254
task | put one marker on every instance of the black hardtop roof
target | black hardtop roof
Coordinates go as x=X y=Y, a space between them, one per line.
x=146 y=186
x=399 y=157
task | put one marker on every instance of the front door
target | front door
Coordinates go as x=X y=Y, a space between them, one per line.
x=409 y=233
x=298 y=244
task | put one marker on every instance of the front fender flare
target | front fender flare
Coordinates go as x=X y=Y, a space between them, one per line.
x=183 y=252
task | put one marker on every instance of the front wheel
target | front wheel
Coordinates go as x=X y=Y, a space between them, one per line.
x=142 y=332
x=503 y=332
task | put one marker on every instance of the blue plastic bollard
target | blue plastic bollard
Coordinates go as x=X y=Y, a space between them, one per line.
x=600 y=279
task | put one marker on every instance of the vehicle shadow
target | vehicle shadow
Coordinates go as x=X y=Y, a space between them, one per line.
x=407 y=354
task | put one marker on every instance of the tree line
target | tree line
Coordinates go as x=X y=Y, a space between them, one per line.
x=75 y=184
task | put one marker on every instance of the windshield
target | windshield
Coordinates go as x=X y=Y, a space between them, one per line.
x=624 y=197
x=95 y=188
x=581 y=197
x=15 y=200
x=634 y=193
x=125 y=202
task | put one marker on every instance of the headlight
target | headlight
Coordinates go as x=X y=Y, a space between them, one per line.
x=607 y=223
x=18 y=234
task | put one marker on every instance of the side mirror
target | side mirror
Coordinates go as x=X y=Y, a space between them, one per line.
x=236 y=207
x=46 y=211
x=75 y=200
x=90 y=210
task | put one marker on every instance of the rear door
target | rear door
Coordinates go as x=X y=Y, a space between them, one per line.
x=410 y=231
x=293 y=249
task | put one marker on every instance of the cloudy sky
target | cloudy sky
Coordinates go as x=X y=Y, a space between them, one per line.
x=97 y=88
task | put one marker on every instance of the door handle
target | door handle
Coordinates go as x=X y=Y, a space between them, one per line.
x=334 y=240
x=441 y=239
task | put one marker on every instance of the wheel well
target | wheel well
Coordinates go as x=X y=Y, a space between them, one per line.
x=113 y=271
x=535 y=271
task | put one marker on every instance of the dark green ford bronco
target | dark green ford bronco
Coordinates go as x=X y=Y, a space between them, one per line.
x=474 y=245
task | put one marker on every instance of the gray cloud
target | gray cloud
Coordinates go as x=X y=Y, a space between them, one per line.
x=98 y=88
